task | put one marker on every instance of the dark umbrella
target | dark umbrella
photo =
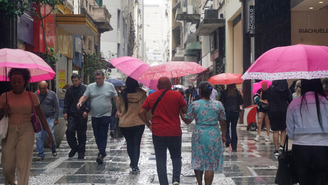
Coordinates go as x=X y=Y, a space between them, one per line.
x=116 y=82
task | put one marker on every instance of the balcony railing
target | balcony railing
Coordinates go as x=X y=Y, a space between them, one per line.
x=188 y=14
x=209 y=23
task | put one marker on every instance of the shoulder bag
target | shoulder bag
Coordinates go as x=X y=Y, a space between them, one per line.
x=34 y=119
x=4 y=125
x=157 y=101
x=285 y=173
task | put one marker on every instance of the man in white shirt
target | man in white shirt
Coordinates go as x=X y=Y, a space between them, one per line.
x=214 y=95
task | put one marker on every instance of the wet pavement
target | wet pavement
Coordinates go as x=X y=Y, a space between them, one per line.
x=253 y=163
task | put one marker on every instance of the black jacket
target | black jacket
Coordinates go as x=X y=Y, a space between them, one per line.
x=231 y=103
x=279 y=96
x=72 y=97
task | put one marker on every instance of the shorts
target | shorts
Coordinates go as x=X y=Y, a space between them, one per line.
x=262 y=110
x=277 y=120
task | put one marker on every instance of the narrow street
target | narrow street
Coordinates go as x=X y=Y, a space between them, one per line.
x=254 y=163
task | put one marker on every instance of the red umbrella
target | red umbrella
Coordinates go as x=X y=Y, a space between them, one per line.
x=225 y=79
x=172 y=70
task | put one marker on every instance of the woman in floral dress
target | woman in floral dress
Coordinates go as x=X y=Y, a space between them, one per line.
x=207 y=147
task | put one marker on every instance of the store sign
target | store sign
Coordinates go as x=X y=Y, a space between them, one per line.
x=25 y=29
x=251 y=23
x=313 y=30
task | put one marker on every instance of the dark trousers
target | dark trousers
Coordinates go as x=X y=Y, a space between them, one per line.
x=133 y=139
x=161 y=144
x=232 y=119
x=77 y=124
x=100 y=131
x=311 y=164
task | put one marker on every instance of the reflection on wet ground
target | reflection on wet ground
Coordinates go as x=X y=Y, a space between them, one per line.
x=253 y=163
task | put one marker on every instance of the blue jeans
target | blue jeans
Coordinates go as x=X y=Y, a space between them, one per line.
x=100 y=131
x=112 y=122
x=133 y=139
x=39 y=137
x=161 y=144
x=232 y=117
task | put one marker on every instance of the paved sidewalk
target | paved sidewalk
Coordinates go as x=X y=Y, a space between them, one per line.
x=254 y=163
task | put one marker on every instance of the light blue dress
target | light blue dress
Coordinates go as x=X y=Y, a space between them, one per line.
x=207 y=147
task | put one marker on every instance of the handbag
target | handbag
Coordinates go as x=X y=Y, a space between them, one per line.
x=34 y=119
x=4 y=127
x=4 y=124
x=285 y=173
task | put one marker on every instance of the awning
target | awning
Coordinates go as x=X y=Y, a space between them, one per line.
x=77 y=24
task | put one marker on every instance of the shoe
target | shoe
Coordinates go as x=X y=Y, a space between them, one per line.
x=72 y=153
x=111 y=135
x=100 y=159
x=40 y=158
x=80 y=155
x=276 y=153
x=175 y=183
x=234 y=151
x=135 y=170
x=54 y=153
x=257 y=138
x=267 y=138
x=281 y=148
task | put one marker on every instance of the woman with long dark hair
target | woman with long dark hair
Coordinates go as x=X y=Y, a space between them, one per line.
x=207 y=140
x=307 y=124
x=132 y=127
x=17 y=147
x=231 y=100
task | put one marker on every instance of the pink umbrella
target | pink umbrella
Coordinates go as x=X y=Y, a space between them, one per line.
x=257 y=86
x=133 y=67
x=172 y=70
x=290 y=62
x=17 y=58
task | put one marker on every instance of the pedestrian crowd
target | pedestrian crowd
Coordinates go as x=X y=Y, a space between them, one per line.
x=300 y=114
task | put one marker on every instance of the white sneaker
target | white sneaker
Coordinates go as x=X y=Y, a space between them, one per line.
x=267 y=138
x=257 y=138
x=175 y=183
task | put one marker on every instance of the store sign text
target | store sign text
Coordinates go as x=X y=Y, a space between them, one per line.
x=313 y=31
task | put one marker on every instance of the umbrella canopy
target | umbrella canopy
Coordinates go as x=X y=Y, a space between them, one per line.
x=17 y=58
x=290 y=62
x=257 y=86
x=225 y=79
x=172 y=70
x=133 y=67
x=116 y=82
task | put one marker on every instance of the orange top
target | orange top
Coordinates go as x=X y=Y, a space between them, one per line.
x=20 y=106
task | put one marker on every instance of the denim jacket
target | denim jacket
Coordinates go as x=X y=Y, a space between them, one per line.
x=306 y=122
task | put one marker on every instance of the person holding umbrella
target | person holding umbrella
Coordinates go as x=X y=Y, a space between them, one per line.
x=132 y=127
x=261 y=99
x=279 y=99
x=307 y=125
x=17 y=147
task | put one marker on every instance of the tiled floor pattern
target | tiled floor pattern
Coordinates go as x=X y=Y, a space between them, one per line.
x=254 y=163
